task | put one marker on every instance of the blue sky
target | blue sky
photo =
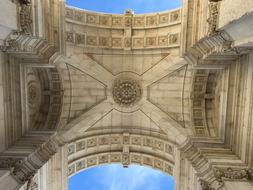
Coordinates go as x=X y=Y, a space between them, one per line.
x=119 y=6
x=115 y=177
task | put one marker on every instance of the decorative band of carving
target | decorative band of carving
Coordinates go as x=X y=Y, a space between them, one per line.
x=214 y=47
x=121 y=42
x=198 y=102
x=235 y=174
x=120 y=21
x=213 y=16
x=118 y=157
x=25 y=17
x=56 y=98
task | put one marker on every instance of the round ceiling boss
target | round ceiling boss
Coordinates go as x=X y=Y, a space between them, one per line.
x=126 y=92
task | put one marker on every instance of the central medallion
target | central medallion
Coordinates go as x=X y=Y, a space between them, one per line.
x=126 y=91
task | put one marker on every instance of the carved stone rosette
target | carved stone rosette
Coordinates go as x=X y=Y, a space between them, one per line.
x=126 y=91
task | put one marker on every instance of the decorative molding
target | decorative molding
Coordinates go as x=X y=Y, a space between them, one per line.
x=129 y=140
x=24 y=169
x=218 y=46
x=124 y=42
x=233 y=174
x=198 y=102
x=17 y=44
x=118 y=157
x=122 y=29
x=25 y=17
x=213 y=16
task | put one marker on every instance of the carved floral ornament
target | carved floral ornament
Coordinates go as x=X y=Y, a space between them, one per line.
x=236 y=174
x=25 y=17
x=227 y=174
x=213 y=16
x=126 y=91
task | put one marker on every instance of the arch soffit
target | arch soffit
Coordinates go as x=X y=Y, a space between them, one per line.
x=90 y=151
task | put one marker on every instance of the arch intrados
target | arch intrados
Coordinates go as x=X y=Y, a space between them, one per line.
x=120 y=148
x=76 y=166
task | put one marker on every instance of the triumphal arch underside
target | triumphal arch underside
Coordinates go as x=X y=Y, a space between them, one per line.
x=170 y=90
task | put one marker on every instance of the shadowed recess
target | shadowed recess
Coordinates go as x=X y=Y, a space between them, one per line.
x=115 y=177
x=119 y=6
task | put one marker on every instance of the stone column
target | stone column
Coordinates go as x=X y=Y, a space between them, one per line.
x=56 y=171
x=2 y=128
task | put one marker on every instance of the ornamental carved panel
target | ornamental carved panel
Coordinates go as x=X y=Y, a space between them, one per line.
x=164 y=18
x=117 y=42
x=151 y=41
x=25 y=18
x=69 y=13
x=175 y=16
x=139 y=21
x=104 y=20
x=70 y=37
x=80 y=145
x=104 y=41
x=158 y=164
x=80 y=165
x=102 y=159
x=128 y=21
x=163 y=40
x=117 y=21
x=79 y=16
x=91 y=19
x=92 y=40
x=80 y=38
x=151 y=20
x=138 y=42
x=174 y=38
x=128 y=42
x=135 y=158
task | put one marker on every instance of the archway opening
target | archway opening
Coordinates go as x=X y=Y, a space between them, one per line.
x=118 y=7
x=115 y=177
